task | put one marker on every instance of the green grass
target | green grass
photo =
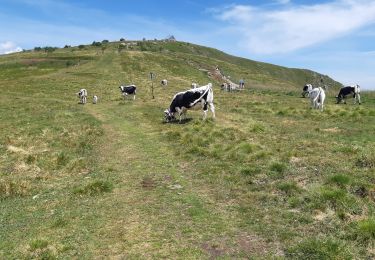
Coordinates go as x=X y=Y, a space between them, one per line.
x=269 y=177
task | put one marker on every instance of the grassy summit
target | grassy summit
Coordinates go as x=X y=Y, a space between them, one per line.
x=269 y=177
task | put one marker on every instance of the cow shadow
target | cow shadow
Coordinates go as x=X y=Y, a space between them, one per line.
x=177 y=122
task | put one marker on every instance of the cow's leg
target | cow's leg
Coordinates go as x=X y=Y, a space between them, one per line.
x=312 y=103
x=205 y=108
x=212 y=108
x=204 y=114
x=134 y=97
x=179 y=111
x=357 y=97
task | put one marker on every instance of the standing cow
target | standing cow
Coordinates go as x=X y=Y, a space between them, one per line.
x=354 y=90
x=82 y=94
x=128 y=90
x=306 y=89
x=317 y=97
x=196 y=98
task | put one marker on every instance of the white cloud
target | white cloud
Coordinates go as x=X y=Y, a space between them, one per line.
x=268 y=31
x=9 y=47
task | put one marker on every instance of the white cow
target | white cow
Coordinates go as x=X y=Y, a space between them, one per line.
x=82 y=94
x=317 y=97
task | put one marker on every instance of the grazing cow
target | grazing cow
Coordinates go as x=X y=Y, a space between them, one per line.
x=230 y=86
x=128 y=90
x=194 y=85
x=225 y=86
x=164 y=82
x=317 y=97
x=349 y=90
x=82 y=94
x=94 y=99
x=234 y=86
x=201 y=97
x=306 y=89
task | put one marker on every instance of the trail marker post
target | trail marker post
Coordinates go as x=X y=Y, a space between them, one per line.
x=152 y=77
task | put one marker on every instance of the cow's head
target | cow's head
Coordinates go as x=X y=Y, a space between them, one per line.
x=168 y=115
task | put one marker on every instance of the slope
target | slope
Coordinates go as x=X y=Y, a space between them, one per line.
x=111 y=180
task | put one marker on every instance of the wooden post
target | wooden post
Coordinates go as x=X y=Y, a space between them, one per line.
x=152 y=76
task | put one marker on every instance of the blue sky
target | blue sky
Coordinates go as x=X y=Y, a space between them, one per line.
x=333 y=37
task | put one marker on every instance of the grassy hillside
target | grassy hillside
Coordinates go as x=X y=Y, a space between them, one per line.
x=268 y=178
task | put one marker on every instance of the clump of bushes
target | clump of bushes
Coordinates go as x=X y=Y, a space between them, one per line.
x=94 y=188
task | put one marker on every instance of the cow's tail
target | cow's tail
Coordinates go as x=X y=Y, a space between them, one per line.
x=317 y=98
x=205 y=92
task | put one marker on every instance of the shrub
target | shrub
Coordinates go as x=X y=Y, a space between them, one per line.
x=339 y=179
x=366 y=161
x=97 y=44
x=250 y=171
x=94 y=188
x=246 y=148
x=315 y=248
x=13 y=188
x=278 y=167
x=62 y=159
x=288 y=187
x=332 y=195
x=365 y=230
x=257 y=128
x=38 y=244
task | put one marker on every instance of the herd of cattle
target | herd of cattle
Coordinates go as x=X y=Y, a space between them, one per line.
x=317 y=95
x=202 y=97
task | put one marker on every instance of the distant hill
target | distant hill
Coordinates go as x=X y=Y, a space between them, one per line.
x=195 y=62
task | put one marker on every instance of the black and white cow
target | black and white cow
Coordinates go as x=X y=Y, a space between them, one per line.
x=196 y=98
x=164 y=82
x=317 y=97
x=354 y=90
x=128 y=90
x=306 y=89
x=82 y=94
